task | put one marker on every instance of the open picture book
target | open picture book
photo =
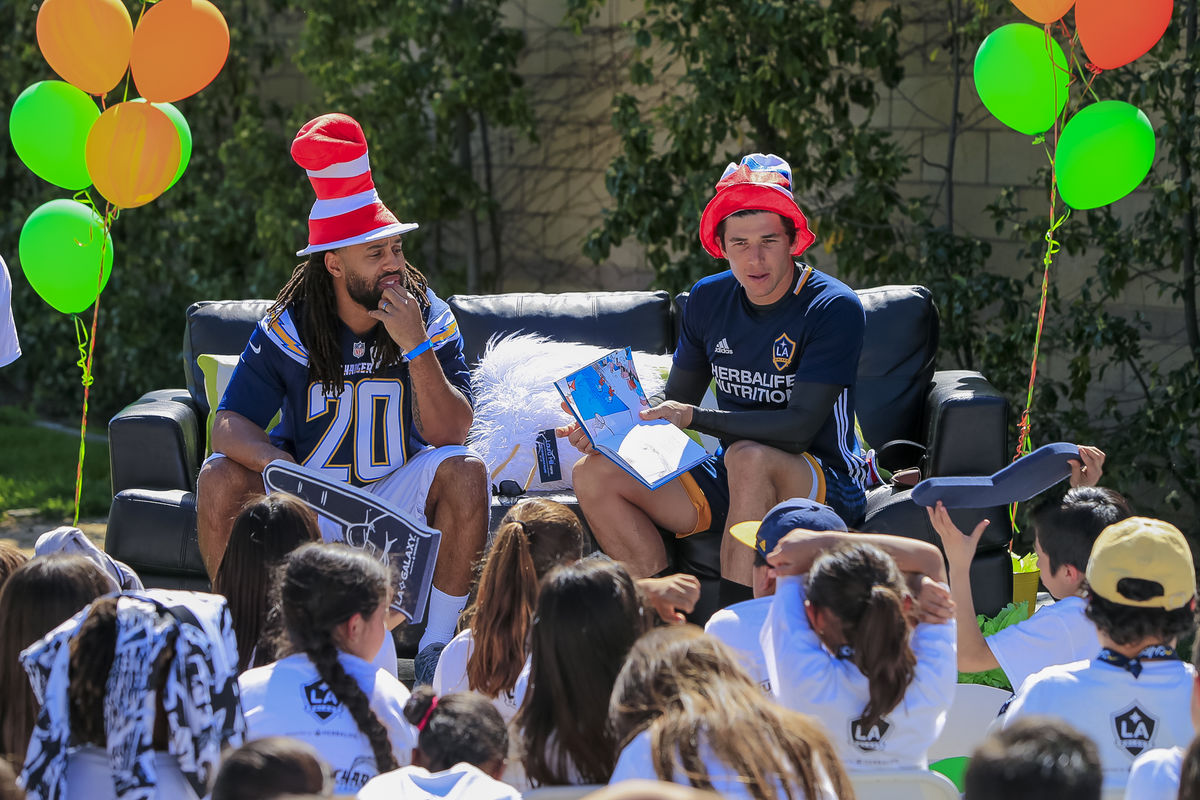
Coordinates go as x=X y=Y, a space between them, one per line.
x=606 y=399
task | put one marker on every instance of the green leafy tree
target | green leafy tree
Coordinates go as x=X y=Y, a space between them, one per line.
x=431 y=79
x=227 y=229
x=1152 y=434
x=734 y=76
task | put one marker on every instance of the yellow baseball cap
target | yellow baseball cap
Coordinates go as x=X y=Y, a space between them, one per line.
x=799 y=512
x=1146 y=549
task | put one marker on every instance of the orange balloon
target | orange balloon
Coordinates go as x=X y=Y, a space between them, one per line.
x=133 y=153
x=178 y=48
x=1115 y=32
x=87 y=42
x=1044 y=11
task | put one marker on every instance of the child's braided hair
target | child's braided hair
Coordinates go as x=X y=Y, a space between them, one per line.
x=324 y=585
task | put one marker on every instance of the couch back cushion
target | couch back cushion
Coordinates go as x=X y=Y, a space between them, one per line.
x=216 y=327
x=896 y=364
x=641 y=320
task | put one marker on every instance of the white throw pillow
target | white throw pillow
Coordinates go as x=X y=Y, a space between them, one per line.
x=515 y=399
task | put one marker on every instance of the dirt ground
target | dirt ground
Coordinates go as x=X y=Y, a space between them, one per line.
x=23 y=529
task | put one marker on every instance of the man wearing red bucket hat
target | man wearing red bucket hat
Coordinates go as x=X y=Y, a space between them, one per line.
x=780 y=341
x=365 y=364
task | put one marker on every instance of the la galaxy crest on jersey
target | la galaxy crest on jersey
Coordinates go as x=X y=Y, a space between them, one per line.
x=869 y=738
x=783 y=350
x=320 y=701
x=1134 y=730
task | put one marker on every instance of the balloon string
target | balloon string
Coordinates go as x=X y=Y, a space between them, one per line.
x=87 y=350
x=129 y=71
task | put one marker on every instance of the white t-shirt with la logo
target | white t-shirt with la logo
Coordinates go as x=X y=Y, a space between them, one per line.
x=808 y=678
x=289 y=698
x=740 y=626
x=1125 y=716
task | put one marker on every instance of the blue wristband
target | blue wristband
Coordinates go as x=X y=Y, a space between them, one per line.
x=416 y=351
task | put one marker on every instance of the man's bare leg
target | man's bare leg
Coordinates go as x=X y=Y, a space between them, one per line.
x=457 y=506
x=760 y=476
x=625 y=516
x=222 y=488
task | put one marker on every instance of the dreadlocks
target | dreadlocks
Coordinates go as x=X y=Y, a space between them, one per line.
x=312 y=286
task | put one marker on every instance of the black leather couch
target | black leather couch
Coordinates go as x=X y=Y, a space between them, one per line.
x=956 y=420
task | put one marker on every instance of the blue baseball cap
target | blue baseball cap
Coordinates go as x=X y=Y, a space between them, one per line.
x=799 y=512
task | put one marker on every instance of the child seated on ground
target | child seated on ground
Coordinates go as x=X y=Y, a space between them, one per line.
x=847 y=642
x=1135 y=693
x=588 y=616
x=334 y=602
x=40 y=595
x=684 y=710
x=1063 y=534
x=740 y=625
x=266 y=529
x=1156 y=774
x=271 y=767
x=488 y=656
x=460 y=752
x=1039 y=758
x=138 y=698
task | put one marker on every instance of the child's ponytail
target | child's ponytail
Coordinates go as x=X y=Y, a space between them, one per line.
x=500 y=627
x=863 y=588
x=882 y=652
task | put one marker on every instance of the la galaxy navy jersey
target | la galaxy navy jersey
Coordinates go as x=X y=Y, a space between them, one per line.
x=365 y=432
x=813 y=335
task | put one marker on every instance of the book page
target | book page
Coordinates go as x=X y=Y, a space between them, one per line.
x=607 y=396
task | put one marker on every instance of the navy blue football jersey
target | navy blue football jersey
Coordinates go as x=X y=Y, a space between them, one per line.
x=366 y=431
x=756 y=355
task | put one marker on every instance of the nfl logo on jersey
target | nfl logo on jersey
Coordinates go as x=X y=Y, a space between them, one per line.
x=360 y=349
x=782 y=350
x=1134 y=730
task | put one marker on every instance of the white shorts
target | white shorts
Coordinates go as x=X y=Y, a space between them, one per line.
x=407 y=487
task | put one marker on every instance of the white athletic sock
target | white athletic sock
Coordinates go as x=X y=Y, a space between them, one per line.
x=442 y=618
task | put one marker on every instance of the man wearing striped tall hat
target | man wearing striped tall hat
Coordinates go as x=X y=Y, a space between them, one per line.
x=365 y=364
x=780 y=342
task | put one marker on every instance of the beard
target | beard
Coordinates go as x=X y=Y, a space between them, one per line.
x=363 y=292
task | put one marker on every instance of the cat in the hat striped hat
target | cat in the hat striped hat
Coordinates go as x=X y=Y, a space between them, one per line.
x=365 y=365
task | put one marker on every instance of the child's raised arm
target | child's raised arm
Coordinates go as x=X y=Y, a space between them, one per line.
x=974 y=655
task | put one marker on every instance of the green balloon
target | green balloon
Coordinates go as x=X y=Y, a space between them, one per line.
x=1103 y=153
x=63 y=249
x=1017 y=81
x=49 y=127
x=185 y=135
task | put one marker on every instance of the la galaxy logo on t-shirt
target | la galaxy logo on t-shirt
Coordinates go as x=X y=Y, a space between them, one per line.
x=1134 y=730
x=869 y=739
x=782 y=350
x=320 y=701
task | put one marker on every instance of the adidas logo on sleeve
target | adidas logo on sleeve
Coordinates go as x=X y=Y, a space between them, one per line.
x=723 y=348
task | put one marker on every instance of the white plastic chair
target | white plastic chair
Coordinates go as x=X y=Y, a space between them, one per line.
x=902 y=784
x=973 y=710
x=560 y=792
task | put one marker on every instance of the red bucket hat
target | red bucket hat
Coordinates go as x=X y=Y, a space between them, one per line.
x=333 y=151
x=762 y=182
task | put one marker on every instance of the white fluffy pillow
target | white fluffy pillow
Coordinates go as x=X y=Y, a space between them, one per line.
x=515 y=399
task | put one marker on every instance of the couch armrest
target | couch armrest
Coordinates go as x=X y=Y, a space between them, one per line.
x=154 y=443
x=966 y=425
